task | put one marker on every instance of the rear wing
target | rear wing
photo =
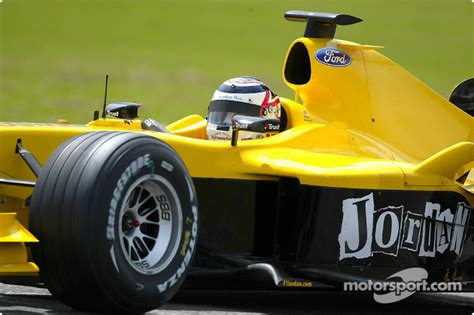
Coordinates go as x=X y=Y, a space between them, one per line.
x=321 y=25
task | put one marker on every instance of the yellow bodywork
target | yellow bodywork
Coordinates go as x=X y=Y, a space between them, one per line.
x=368 y=125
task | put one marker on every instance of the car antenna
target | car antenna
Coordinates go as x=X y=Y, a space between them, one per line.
x=105 y=96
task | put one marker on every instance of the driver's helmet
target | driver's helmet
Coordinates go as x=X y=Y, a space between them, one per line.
x=240 y=96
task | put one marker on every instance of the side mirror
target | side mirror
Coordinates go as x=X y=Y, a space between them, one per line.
x=254 y=124
x=124 y=110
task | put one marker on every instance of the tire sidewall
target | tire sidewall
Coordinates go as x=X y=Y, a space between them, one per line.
x=120 y=171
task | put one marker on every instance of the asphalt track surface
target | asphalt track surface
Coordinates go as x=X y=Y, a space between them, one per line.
x=20 y=299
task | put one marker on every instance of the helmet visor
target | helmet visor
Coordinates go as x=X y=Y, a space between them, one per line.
x=221 y=118
x=222 y=111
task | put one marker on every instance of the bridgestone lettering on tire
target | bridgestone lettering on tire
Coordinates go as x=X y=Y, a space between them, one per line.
x=117 y=219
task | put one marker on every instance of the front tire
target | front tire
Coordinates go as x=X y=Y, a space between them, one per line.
x=116 y=216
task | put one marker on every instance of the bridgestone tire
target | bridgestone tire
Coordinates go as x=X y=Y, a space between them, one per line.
x=79 y=213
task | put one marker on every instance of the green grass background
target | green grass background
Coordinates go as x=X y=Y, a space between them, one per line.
x=171 y=55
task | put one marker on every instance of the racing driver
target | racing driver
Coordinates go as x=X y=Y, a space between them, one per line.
x=240 y=96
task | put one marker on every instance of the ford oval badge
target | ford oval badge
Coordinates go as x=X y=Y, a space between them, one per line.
x=333 y=57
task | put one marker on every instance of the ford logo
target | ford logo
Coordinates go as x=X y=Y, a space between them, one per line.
x=333 y=57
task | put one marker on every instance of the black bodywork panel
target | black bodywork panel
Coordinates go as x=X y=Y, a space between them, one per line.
x=233 y=212
x=353 y=232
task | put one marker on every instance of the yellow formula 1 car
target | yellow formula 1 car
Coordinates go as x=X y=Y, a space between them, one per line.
x=371 y=172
